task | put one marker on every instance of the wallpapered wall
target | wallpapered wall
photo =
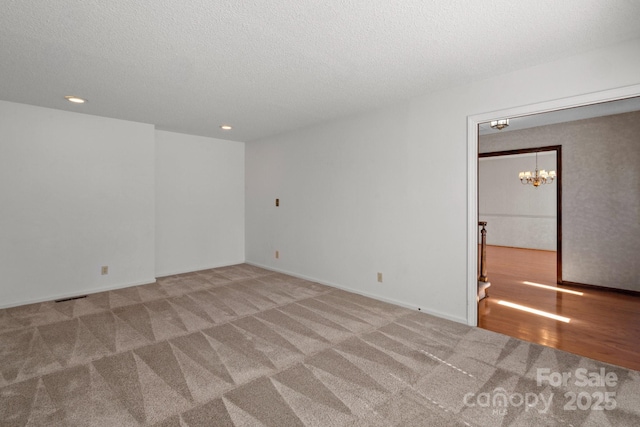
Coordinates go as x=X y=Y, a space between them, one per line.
x=517 y=215
x=600 y=194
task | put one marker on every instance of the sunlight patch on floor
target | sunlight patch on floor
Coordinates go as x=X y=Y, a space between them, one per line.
x=535 y=311
x=553 y=288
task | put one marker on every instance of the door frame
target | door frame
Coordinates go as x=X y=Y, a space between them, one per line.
x=473 y=121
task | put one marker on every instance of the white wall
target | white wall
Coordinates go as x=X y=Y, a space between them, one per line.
x=77 y=193
x=199 y=203
x=517 y=215
x=387 y=191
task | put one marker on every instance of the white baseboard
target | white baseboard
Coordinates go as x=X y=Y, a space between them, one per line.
x=78 y=293
x=290 y=273
x=366 y=294
x=199 y=268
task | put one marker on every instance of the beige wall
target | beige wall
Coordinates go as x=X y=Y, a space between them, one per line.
x=600 y=195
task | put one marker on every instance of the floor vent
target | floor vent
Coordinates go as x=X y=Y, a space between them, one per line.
x=70 y=299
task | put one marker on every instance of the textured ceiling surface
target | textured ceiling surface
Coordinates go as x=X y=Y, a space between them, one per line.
x=267 y=67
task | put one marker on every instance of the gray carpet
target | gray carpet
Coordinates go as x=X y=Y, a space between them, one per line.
x=243 y=346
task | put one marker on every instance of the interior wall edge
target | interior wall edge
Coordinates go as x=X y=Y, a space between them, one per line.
x=199 y=268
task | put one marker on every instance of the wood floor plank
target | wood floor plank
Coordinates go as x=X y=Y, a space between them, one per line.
x=604 y=325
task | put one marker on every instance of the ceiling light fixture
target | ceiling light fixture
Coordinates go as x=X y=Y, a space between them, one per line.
x=538 y=177
x=500 y=124
x=226 y=127
x=75 y=99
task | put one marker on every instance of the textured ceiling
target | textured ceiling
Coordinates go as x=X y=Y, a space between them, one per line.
x=267 y=67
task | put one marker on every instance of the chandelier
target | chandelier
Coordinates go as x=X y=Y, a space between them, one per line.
x=538 y=177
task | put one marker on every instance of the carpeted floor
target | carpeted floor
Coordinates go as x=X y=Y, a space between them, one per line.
x=243 y=346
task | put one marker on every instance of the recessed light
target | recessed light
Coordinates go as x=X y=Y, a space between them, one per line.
x=226 y=127
x=75 y=99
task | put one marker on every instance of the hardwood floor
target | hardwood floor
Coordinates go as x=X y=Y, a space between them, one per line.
x=603 y=325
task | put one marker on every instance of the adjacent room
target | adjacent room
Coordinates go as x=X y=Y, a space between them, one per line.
x=266 y=213
x=564 y=246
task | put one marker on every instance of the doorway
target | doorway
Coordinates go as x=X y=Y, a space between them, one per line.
x=522 y=215
x=523 y=241
x=473 y=124
x=582 y=311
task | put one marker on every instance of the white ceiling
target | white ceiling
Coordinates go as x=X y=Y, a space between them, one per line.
x=267 y=67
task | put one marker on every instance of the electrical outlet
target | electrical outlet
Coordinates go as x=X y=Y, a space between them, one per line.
x=380 y=277
x=277 y=254
x=104 y=270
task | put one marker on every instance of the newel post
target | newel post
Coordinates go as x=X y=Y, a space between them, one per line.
x=483 y=253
